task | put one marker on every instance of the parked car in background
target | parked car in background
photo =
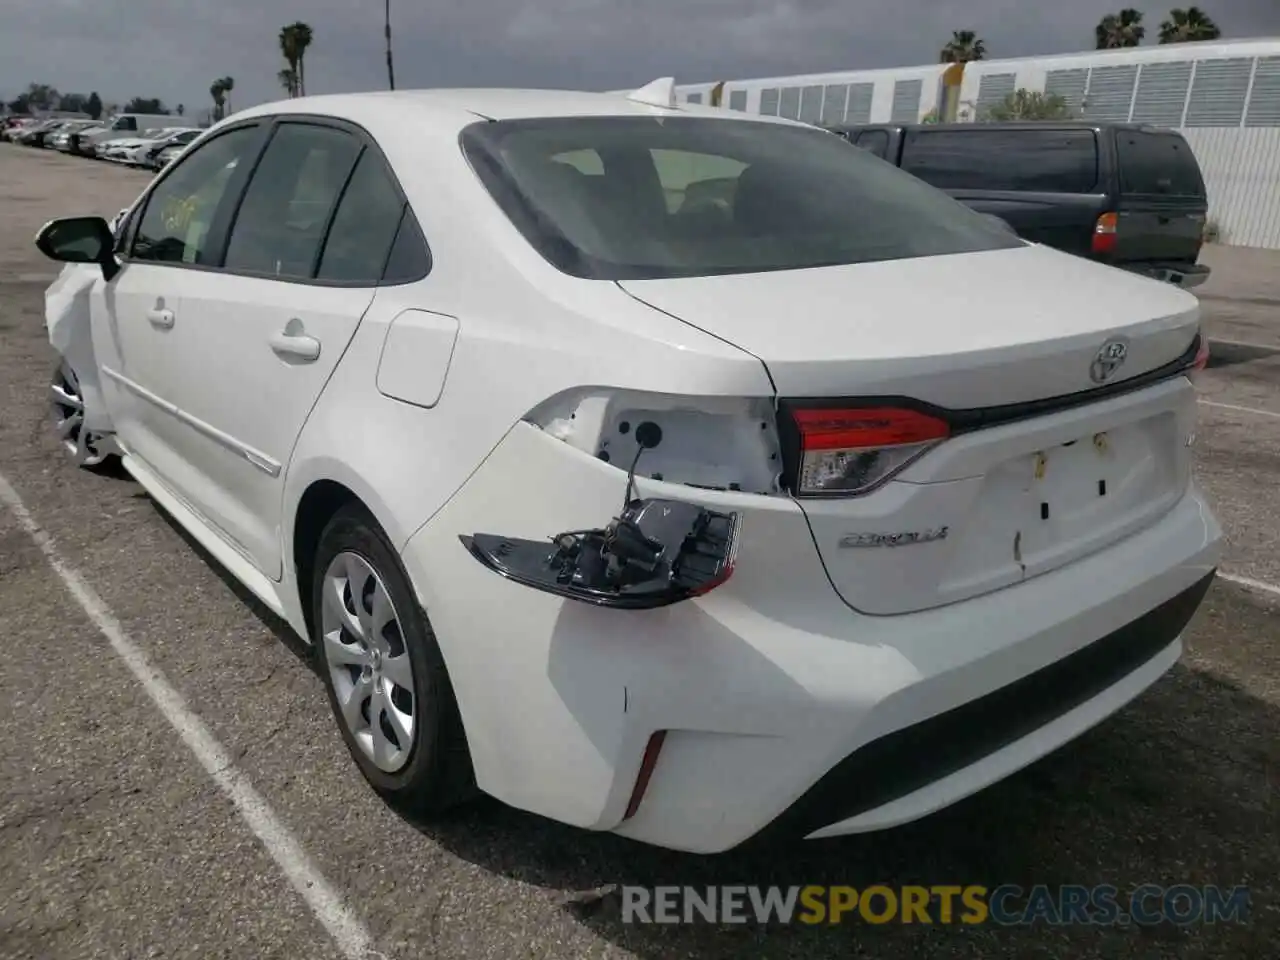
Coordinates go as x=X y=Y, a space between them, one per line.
x=61 y=140
x=70 y=144
x=1128 y=195
x=167 y=155
x=143 y=154
x=121 y=150
x=10 y=127
x=816 y=504
x=34 y=135
x=126 y=125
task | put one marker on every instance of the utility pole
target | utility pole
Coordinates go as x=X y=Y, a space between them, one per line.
x=391 y=74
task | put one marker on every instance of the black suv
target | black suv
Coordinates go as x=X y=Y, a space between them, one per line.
x=1125 y=194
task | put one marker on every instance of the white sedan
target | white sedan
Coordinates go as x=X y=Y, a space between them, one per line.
x=659 y=469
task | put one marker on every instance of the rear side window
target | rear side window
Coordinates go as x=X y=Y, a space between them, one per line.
x=874 y=141
x=1157 y=163
x=1027 y=161
x=364 y=226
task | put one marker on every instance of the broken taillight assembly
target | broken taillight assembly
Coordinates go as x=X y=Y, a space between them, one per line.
x=655 y=553
x=845 y=451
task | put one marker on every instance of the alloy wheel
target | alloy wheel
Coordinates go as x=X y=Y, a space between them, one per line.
x=87 y=449
x=368 y=661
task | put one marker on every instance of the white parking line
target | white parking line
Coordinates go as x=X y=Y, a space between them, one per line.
x=327 y=904
x=1260 y=585
x=1239 y=409
x=1247 y=344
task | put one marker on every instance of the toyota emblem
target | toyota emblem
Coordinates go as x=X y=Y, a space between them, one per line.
x=1110 y=357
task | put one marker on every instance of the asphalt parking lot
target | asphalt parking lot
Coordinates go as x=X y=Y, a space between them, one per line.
x=117 y=841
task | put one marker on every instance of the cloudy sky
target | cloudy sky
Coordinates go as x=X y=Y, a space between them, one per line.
x=173 y=49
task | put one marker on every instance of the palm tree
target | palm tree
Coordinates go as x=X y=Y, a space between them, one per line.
x=219 y=94
x=964 y=45
x=391 y=73
x=294 y=41
x=289 y=80
x=1124 y=29
x=1188 y=26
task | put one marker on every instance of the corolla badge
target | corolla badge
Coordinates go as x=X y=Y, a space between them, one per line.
x=1110 y=357
x=893 y=539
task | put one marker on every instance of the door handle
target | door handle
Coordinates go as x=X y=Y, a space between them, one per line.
x=160 y=318
x=293 y=342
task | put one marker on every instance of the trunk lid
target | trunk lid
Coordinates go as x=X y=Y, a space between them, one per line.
x=971 y=330
x=990 y=507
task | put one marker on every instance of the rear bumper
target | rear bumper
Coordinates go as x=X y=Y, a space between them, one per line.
x=770 y=690
x=1185 y=275
x=908 y=773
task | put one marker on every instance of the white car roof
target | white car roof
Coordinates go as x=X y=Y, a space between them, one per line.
x=464 y=106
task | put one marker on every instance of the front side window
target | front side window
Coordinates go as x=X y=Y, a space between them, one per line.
x=175 y=224
x=690 y=196
x=286 y=207
x=125 y=123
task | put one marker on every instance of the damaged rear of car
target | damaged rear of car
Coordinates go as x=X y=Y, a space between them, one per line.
x=950 y=527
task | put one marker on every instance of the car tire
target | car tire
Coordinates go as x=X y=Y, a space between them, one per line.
x=89 y=451
x=356 y=564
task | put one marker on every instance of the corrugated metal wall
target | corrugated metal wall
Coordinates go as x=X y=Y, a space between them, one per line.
x=1242 y=171
x=1228 y=108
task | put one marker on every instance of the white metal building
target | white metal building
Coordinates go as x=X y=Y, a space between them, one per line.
x=1224 y=96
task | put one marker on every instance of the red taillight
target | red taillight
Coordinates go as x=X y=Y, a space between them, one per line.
x=852 y=451
x=647 y=763
x=1202 y=356
x=1104 y=233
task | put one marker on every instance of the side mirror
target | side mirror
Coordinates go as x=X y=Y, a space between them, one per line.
x=80 y=240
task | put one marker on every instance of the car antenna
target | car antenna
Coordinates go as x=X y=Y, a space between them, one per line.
x=648 y=435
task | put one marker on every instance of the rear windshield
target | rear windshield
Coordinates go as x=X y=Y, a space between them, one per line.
x=1157 y=163
x=616 y=198
x=1028 y=161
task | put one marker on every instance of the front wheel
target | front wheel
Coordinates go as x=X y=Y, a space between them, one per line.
x=87 y=449
x=384 y=671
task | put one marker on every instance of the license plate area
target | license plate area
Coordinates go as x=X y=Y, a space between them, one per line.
x=1046 y=507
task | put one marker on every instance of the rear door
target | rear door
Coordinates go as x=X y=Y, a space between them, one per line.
x=1162 y=203
x=1044 y=181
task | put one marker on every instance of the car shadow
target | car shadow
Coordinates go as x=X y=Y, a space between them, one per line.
x=278 y=627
